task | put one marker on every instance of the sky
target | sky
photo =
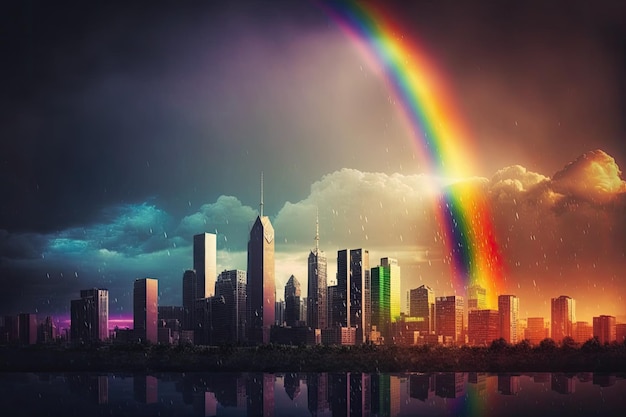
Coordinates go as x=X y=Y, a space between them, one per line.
x=127 y=129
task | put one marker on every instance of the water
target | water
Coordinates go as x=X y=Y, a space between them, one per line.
x=306 y=394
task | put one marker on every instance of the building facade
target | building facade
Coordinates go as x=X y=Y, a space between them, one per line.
x=146 y=309
x=604 y=329
x=422 y=304
x=231 y=289
x=562 y=318
x=205 y=263
x=317 y=304
x=261 y=281
x=190 y=295
x=90 y=316
x=508 y=308
x=293 y=294
x=483 y=327
x=449 y=318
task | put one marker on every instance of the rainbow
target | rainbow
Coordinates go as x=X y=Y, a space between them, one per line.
x=417 y=85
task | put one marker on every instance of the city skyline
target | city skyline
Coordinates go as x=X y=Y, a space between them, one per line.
x=114 y=166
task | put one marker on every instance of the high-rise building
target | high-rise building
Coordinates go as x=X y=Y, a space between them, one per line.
x=190 y=294
x=205 y=263
x=422 y=304
x=483 y=327
x=341 y=292
x=385 y=295
x=317 y=300
x=476 y=298
x=292 y=302
x=449 y=313
x=562 y=318
x=146 y=309
x=583 y=331
x=536 y=330
x=261 y=286
x=90 y=316
x=358 y=282
x=508 y=307
x=231 y=288
x=604 y=329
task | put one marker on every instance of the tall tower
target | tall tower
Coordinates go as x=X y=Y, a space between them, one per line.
x=145 y=309
x=508 y=310
x=261 y=283
x=190 y=294
x=231 y=288
x=205 y=263
x=562 y=318
x=292 y=302
x=385 y=294
x=422 y=305
x=317 y=285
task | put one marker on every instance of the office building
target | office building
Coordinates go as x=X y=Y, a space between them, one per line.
x=604 y=329
x=190 y=295
x=90 y=316
x=261 y=278
x=422 y=305
x=449 y=313
x=352 y=304
x=231 y=288
x=317 y=299
x=483 y=327
x=476 y=298
x=292 y=302
x=145 y=309
x=508 y=307
x=536 y=330
x=205 y=263
x=563 y=317
x=385 y=295
x=583 y=331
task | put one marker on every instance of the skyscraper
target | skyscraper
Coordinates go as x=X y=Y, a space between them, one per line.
x=562 y=318
x=352 y=304
x=231 y=286
x=422 y=305
x=90 y=316
x=449 y=318
x=292 y=302
x=261 y=283
x=508 y=308
x=190 y=294
x=385 y=295
x=340 y=295
x=145 y=309
x=205 y=263
x=604 y=329
x=317 y=304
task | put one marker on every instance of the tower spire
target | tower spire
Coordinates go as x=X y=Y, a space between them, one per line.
x=261 y=205
x=317 y=230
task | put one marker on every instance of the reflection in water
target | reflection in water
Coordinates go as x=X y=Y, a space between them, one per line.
x=313 y=394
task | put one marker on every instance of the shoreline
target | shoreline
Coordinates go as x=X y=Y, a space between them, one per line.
x=280 y=358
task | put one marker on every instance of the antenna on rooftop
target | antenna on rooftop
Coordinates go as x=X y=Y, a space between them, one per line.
x=261 y=205
x=317 y=229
